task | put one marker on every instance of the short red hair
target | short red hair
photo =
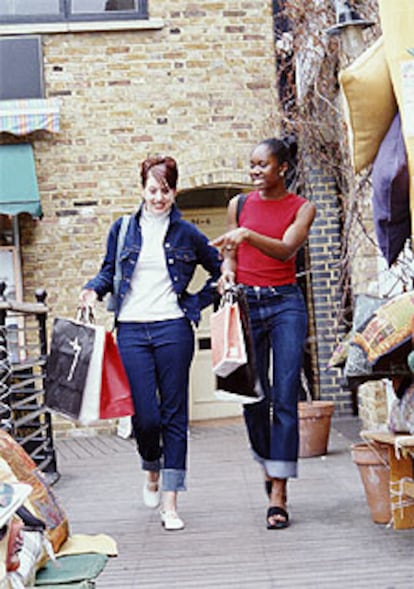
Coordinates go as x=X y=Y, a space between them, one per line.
x=162 y=167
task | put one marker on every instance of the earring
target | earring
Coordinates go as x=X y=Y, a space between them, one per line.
x=281 y=174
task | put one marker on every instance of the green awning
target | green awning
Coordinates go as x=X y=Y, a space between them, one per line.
x=19 y=192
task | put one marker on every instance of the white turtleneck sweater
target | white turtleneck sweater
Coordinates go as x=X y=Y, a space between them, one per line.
x=151 y=296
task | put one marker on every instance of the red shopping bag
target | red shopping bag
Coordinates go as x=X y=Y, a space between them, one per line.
x=107 y=394
x=227 y=340
x=115 y=400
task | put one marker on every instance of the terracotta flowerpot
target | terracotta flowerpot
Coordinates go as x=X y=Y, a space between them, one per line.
x=372 y=462
x=314 y=427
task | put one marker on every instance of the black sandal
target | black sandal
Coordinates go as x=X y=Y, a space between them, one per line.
x=278 y=524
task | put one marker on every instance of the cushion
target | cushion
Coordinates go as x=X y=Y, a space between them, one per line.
x=401 y=415
x=340 y=353
x=369 y=103
x=42 y=500
x=31 y=557
x=81 y=543
x=388 y=328
x=357 y=369
x=391 y=193
x=344 y=353
x=396 y=25
x=71 y=569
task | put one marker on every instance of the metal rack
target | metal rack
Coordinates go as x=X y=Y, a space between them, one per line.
x=23 y=354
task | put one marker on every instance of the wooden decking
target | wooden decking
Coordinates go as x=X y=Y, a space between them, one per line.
x=332 y=542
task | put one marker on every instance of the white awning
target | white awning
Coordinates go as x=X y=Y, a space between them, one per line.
x=21 y=117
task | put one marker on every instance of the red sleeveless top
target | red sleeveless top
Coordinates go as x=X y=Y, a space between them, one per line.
x=272 y=218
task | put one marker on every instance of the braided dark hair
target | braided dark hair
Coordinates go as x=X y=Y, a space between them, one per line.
x=284 y=150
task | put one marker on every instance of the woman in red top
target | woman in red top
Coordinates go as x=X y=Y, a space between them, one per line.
x=259 y=251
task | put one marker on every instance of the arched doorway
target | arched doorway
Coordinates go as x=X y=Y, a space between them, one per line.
x=206 y=208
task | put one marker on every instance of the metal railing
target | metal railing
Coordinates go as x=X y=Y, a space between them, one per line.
x=23 y=354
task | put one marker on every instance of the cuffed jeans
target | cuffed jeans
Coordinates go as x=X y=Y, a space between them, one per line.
x=279 y=326
x=157 y=357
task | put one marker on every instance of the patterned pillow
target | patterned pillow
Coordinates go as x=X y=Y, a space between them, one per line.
x=389 y=327
x=42 y=499
x=32 y=556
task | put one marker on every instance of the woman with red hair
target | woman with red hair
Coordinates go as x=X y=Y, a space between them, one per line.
x=154 y=316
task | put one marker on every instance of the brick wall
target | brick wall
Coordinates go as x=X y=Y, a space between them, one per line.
x=325 y=247
x=372 y=405
x=201 y=89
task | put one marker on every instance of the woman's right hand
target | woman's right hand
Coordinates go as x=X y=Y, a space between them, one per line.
x=225 y=281
x=229 y=241
x=88 y=298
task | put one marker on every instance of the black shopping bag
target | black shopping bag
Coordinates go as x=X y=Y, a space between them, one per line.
x=67 y=366
x=242 y=385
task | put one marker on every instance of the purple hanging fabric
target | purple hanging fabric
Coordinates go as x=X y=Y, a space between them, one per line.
x=391 y=202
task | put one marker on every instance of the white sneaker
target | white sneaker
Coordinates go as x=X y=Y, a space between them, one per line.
x=151 y=497
x=171 y=521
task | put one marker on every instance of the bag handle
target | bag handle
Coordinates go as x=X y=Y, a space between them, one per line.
x=85 y=314
x=230 y=295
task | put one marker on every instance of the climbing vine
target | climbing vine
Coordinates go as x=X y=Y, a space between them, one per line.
x=308 y=62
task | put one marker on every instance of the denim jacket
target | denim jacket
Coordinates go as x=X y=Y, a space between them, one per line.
x=184 y=246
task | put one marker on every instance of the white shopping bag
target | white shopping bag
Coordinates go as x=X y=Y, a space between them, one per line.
x=227 y=339
x=89 y=412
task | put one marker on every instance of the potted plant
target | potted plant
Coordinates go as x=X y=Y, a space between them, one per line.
x=314 y=424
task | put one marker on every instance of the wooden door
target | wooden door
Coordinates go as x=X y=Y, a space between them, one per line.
x=203 y=404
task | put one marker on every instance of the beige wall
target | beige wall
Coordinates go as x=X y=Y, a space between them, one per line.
x=202 y=88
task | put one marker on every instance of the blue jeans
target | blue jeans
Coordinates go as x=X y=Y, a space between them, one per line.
x=279 y=326
x=157 y=357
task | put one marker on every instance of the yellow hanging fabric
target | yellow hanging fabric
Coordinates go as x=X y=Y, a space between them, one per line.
x=397 y=23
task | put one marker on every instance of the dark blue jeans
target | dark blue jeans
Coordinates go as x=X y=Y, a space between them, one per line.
x=157 y=358
x=279 y=327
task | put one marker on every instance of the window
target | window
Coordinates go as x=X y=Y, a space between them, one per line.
x=17 y=8
x=21 y=68
x=10 y=271
x=12 y=11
